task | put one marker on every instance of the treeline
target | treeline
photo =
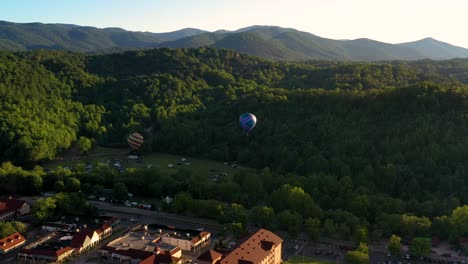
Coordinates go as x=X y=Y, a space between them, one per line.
x=263 y=198
x=369 y=145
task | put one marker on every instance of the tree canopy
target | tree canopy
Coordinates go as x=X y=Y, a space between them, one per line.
x=345 y=146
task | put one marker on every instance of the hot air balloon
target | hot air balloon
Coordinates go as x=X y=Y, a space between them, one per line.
x=135 y=140
x=247 y=121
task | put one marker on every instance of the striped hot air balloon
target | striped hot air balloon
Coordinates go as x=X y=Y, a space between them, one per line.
x=135 y=140
x=247 y=121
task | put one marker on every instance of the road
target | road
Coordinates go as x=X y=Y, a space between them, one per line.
x=153 y=217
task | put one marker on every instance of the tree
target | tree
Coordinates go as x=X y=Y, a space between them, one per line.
x=414 y=225
x=98 y=189
x=120 y=192
x=329 y=227
x=262 y=216
x=362 y=235
x=292 y=198
x=59 y=186
x=290 y=221
x=182 y=202
x=236 y=213
x=363 y=248
x=6 y=229
x=441 y=227
x=73 y=184
x=43 y=209
x=459 y=222
x=358 y=256
x=238 y=229
x=19 y=227
x=394 y=245
x=85 y=145
x=312 y=226
x=420 y=247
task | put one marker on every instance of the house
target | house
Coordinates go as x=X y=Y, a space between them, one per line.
x=105 y=231
x=11 y=242
x=84 y=239
x=263 y=247
x=11 y=208
x=209 y=257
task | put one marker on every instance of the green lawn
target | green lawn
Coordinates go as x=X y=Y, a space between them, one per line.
x=306 y=260
x=155 y=160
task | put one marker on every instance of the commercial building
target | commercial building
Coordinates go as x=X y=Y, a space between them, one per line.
x=11 y=242
x=263 y=247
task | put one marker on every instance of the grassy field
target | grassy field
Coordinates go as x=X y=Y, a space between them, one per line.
x=306 y=260
x=153 y=160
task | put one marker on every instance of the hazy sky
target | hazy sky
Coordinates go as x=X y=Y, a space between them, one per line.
x=390 y=21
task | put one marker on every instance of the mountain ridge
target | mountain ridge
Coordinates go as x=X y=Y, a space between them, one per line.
x=271 y=42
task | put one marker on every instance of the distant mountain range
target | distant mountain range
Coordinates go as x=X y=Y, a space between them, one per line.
x=264 y=41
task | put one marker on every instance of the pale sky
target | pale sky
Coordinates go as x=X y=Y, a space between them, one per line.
x=391 y=21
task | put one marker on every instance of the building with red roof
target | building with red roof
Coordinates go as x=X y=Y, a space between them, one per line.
x=84 y=239
x=11 y=242
x=44 y=254
x=162 y=258
x=263 y=247
x=141 y=248
x=188 y=241
x=11 y=208
x=56 y=248
x=209 y=257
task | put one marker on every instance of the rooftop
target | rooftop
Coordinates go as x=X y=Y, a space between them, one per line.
x=254 y=249
x=139 y=241
x=10 y=204
x=179 y=233
x=11 y=241
x=73 y=223
x=56 y=245
x=141 y=246
x=210 y=256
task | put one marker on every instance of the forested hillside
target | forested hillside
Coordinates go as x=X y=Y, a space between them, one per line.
x=364 y=144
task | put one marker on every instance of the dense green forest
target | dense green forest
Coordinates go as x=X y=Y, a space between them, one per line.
x=340 y=146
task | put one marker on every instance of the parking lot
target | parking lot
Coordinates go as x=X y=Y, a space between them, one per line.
x=304 y=248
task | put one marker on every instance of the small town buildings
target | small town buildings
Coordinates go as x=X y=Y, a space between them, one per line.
x=11 y=242
x=186 y=240
x=141 y=248
x=84 y=239
x=12 y=208
x=67 y=237
x=47 y=255
x=51 y=248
